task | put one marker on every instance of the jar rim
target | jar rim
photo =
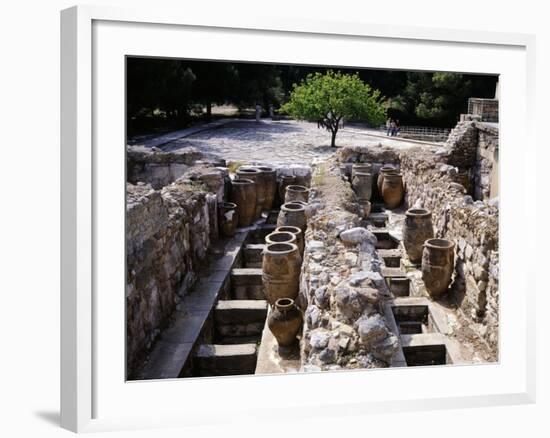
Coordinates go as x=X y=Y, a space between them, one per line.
x=242 y=181
x=289 y=229
x=284 y=303
x=281 y=248
x=437 y=243
x=294 y=206
x=297 y=188
x=418 y=212
x=272 y=237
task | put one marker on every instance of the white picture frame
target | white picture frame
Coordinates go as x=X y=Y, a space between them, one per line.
x=93 y=39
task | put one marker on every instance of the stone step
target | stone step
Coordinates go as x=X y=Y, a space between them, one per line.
x=390 y=257
x=246 y=276
x=225 y=360
x=385 y=240
x=399 y=286
x=392 y=272
x=252 y=255
x=240 y=311
x=258 y=234
x=246 y=284
x=396 y=279
x=379 y=220
x=239 y=319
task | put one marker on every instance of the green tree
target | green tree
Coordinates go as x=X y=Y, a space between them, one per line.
x=215 y=83
x=330 y=97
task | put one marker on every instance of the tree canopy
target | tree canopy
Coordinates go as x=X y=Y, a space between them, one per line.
x=331 y=97
x=172 y=92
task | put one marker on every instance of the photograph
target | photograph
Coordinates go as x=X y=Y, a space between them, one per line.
x=295 y=218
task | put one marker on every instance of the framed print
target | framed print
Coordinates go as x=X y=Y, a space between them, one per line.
x=294 y=225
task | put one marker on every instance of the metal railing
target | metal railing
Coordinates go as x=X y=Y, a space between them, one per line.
x=422 y=132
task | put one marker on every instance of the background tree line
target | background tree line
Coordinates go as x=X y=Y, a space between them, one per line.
x=167 y=94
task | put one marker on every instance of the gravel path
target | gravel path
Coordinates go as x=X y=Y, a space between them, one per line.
x=278 y=142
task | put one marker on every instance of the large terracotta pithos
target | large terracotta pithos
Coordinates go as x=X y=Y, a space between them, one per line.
x=362 y=185
x=293 y=213
x=228 y=218
x=284 y=181
x=297 y=232
x=393 y=190
x=243 y=193
x=284 y=321
x=255 y=175
x=296 y=193
x=269 y=176
x=360 y=168
x=281 y=237
x=438 y=259
x=381 y=173
x=416 y=230
x=281 y=266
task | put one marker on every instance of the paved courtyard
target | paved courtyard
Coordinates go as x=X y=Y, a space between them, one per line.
x=276 y=142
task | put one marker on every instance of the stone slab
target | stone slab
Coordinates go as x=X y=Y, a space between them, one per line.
x=392 y=272
x=240 y=311
x=166 y=360
x=246 y=276
x=230 y=359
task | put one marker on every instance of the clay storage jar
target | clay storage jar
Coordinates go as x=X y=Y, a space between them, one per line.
x=293 y=213
x=296 y=193
x=362 y=185
x=284 y=181
x=256 y=176
x=284 y=321
x=383 y=171
x=416 y=230
x=364 y=208
x=361 y=168
x=243 y=193
x=269 y=176
x=297 y=232
x=281 y=237
x=281 y=266
x=393 y=190
x=228 y=218
x=438 y=260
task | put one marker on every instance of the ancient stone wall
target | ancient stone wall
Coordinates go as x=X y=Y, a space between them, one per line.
x=341 y=286
x=472 y=147
x=168 y=233
x=485 y=172
x=444 y=181
x=159 y=168
x=432 y=183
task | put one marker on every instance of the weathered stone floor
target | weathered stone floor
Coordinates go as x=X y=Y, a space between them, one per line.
x=276 y=142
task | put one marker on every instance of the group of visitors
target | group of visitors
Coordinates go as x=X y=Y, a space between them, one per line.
x=392 y=127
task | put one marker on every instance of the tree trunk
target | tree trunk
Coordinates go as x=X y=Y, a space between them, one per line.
x=333 y=139
x=208 y=110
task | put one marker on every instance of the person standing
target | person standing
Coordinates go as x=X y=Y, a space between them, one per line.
x=258 y=112
x=388 y=126
x=392 y=128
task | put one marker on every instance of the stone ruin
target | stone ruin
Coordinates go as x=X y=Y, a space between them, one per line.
x=194 y=299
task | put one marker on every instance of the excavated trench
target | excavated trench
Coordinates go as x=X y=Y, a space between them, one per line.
x=239 y=317
x=420 y=326
x=219 y=329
